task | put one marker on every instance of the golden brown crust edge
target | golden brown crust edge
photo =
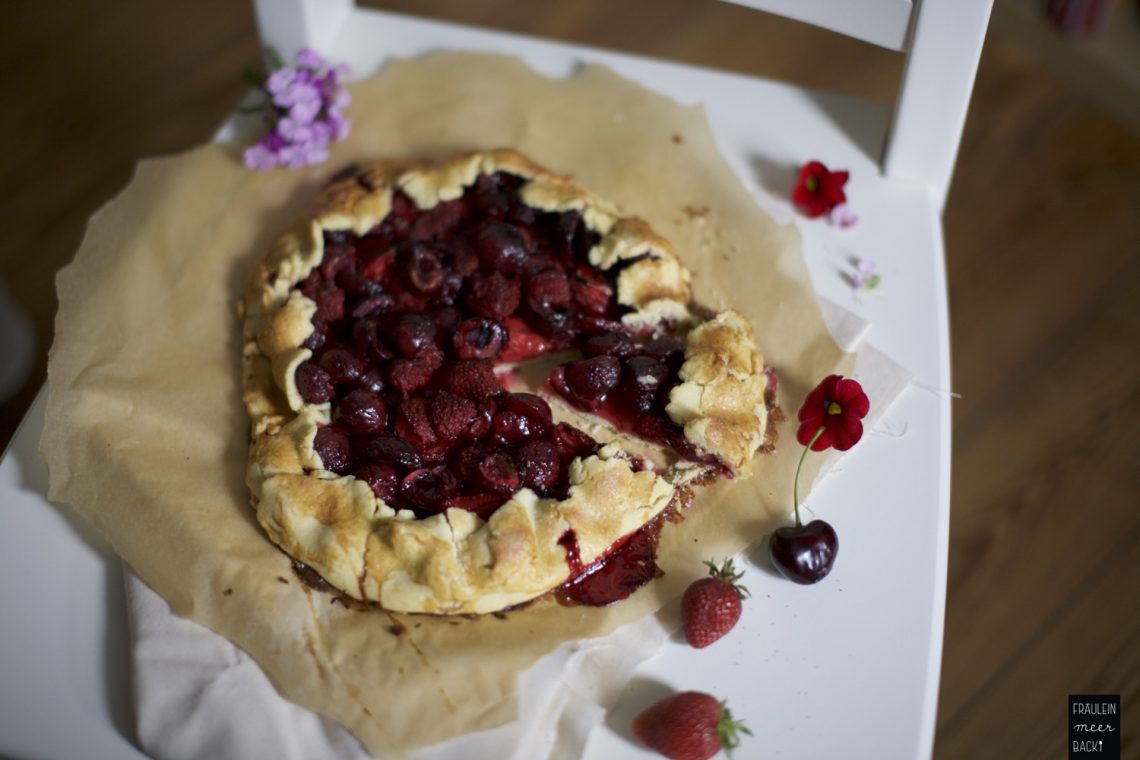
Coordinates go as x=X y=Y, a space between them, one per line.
x=451 y=563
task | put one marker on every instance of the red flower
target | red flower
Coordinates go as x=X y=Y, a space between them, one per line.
x=836 y=405
x=818 y=190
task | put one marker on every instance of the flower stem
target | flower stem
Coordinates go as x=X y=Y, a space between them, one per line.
x=796 y=484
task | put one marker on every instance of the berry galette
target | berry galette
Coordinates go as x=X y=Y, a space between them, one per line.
x=398 y=448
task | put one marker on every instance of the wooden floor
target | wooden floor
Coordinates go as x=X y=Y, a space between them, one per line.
x=1043 y=242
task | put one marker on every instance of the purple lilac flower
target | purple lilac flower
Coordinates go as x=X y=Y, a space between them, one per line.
x=305 y=110
x=258 y=157
x=310 y=59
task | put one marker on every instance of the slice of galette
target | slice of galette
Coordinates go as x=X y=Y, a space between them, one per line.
x=382 y=333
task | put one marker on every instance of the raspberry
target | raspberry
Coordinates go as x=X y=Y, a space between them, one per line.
x=472 y=379
x=494 y=296
x=334 y=449
x=451 y=415
x=313 y=383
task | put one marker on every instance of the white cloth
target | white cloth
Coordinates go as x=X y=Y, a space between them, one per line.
x=198 y=696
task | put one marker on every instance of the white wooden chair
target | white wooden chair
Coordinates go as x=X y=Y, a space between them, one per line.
x=819 y=673
x=884 y=667
x=942 y=40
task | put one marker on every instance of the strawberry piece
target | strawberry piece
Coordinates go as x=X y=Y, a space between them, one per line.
x=413 y=423
x=522 y=342
x=472 y=379
x=691 y=725
x=451 y=415
x=494 y=296
x=377 y=269
x=711 y=606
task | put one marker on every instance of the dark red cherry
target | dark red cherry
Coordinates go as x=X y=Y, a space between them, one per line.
x=608 y=344
x=496 y=472
x=362 y=412
x=534 y=408
x=313 y=383
x=381 y=478
x=480 y=339
x=425 y=270
x=539 y=466
x=590 y=379
x=804 y=553
x=501 y=248
x=334 y=449
x=426 y=489
x=647 y=374
x=393 y=450
x=342 y=365
x=410 y=333
x=572 y=442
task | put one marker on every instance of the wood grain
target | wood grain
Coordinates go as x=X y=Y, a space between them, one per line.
x=1043 y=258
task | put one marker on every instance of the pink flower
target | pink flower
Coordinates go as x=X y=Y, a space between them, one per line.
x=843 y=217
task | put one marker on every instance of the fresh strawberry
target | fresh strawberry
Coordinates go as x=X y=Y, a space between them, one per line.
x=711 y=606
x=691 y=725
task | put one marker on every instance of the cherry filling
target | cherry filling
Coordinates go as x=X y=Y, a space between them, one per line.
x=410 y=320
x=628 y=384
x=626 y=567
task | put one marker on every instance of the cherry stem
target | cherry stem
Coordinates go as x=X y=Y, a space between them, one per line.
x=796 y=484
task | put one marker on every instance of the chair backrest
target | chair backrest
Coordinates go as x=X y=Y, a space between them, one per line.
x=941 y=39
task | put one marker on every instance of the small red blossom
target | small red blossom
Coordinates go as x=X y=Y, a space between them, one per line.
x=836 y=405
x=818 y=190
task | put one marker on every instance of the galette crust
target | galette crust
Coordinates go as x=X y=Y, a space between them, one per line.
x=455 y=562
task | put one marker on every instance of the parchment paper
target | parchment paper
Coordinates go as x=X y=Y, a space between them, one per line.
x=146 y=436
